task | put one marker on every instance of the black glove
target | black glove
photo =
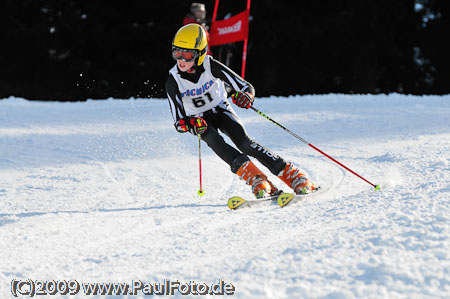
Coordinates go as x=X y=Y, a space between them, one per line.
x=194 y=125
x=243 y=99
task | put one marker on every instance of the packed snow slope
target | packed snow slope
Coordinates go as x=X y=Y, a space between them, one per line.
x=106 y=191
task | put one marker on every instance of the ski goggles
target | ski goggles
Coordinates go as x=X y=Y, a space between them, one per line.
x=184 y=54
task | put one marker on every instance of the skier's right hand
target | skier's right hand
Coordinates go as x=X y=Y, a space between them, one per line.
x=194 y=125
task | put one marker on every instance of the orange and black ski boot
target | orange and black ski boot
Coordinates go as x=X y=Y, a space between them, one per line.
x=292 y=176
x=261 y=186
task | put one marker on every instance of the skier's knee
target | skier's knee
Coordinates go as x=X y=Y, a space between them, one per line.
x=245 y=145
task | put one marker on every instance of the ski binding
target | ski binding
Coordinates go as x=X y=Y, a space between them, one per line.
x=282 y=199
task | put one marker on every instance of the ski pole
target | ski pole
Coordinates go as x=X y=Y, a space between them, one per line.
x=377 y=187
x=200 y=191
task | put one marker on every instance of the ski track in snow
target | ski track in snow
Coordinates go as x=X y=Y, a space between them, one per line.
x=105 y=191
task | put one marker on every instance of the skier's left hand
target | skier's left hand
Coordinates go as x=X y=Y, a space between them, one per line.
x=243 y=99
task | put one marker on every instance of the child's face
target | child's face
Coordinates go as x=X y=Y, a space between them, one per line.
x=200 y=14
x=184 y=66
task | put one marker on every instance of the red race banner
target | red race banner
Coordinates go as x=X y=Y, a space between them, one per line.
x=231 y=30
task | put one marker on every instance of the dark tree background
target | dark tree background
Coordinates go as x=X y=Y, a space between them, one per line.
x=79 y=49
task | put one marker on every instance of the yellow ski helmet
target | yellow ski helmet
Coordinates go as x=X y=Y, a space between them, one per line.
x=191 y=37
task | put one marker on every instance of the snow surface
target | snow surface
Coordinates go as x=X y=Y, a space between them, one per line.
x=106 y=191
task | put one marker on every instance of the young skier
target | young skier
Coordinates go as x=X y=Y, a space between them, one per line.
x=197 y=93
